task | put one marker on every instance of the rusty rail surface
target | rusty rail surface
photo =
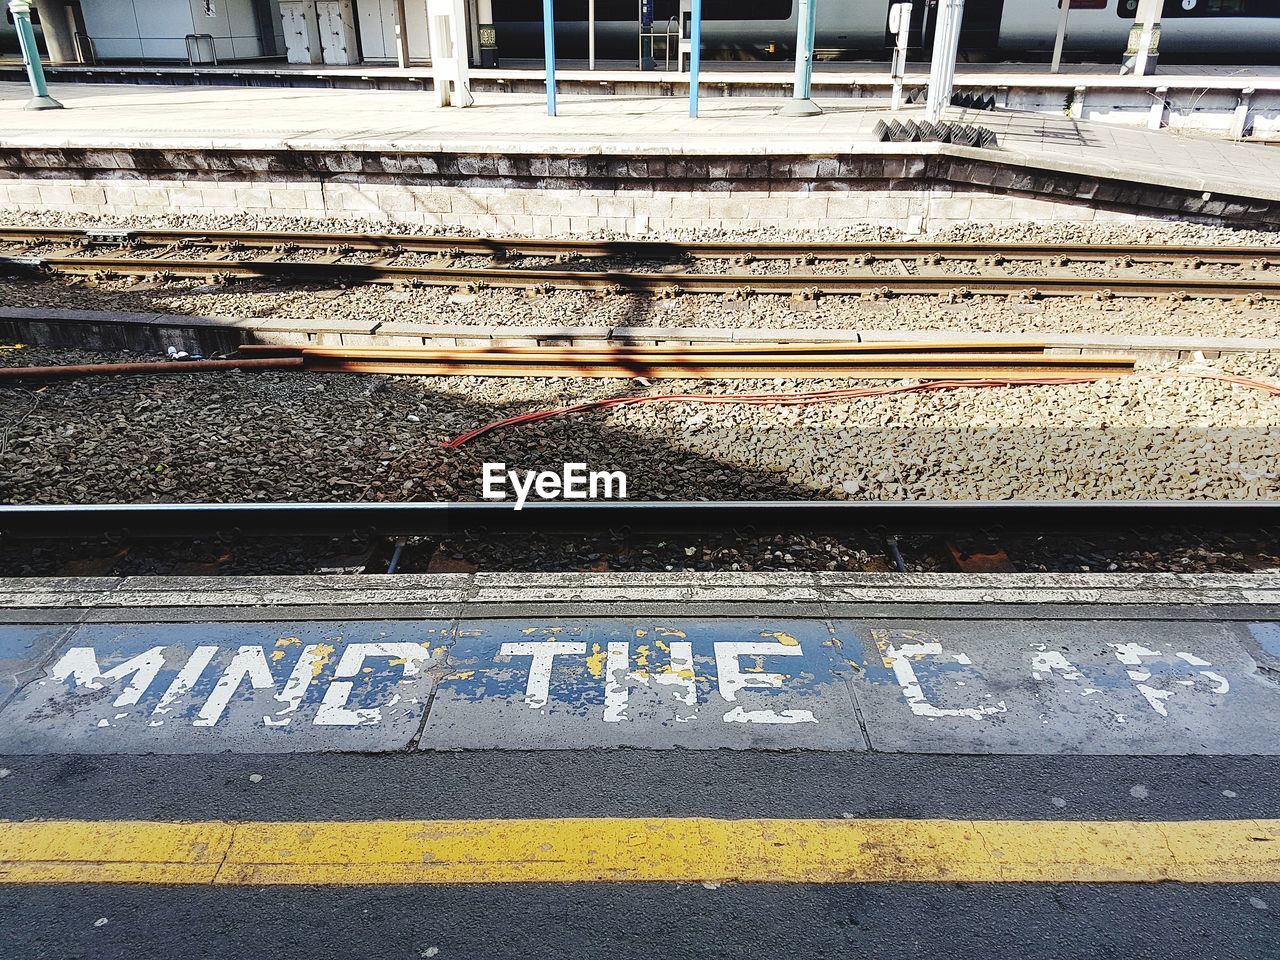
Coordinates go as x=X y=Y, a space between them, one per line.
x=898 y=362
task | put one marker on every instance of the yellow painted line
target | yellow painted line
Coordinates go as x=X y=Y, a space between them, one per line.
x=664 y=850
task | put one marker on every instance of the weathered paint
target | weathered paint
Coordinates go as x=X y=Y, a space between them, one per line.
x=670 y=850
x=238 y=686
x=622 y=682
x=1021 y=686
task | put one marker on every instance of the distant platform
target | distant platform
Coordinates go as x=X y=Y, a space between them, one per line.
x=1231 y=101
x=623 y=163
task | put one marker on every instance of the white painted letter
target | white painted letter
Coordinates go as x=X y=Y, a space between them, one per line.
x=81 y=665
x=900 y=659
x=543 y=653
x=333 y=710
x=731 y=679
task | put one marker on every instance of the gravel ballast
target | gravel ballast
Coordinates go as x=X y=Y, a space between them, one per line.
x=1147 y=317
x=305 y=436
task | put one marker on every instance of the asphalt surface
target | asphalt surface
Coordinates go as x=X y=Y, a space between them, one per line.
x=920 y=920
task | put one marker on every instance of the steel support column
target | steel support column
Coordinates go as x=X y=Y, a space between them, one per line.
x=402 y=36
x=40 y=99
x=549 y=52
x=1059 y=41
x=946 y=47
x=695 y=55
x=801 y=103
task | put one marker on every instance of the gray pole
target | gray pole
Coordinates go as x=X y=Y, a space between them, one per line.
x=1064 y=12
x=40 y=99
x=402 y=36
x=801 y=103
x=946 y=47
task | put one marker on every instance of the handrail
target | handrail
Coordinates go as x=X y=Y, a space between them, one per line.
x=83 y=41
x=192 y=41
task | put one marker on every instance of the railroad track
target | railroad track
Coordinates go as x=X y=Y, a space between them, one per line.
x=739 y=285
x=648 y=249
x=167 y=255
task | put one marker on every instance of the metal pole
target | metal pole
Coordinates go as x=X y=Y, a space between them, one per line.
x=591 y=35
x=946 y=45
x=1064 y=11
x=549 y=52
x=695 y=55
x=801 y=104
x=402 y=36
x=40 y=99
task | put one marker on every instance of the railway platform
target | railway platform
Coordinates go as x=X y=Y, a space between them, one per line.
x=621 y=164
x=1209 y=99
x=552 y=761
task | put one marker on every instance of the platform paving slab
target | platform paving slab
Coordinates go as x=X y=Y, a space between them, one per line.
x=337 y=153
x=1099 y=665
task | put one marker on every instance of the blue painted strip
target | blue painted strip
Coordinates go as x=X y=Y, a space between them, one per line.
x=1008 y=686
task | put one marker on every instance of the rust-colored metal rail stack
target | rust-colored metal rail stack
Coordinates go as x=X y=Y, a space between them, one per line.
x=861 y=361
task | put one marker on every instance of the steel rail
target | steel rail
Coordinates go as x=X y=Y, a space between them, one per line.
x=652 y=249
x=742 y=284
x=889 y=367
x=625 y=351
x=820 y=517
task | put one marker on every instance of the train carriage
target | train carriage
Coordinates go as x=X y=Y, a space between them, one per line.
x=859 y=28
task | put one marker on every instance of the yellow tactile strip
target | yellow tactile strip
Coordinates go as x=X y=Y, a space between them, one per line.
x=653 y=850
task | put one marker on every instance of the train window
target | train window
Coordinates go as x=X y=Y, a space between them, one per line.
x=567 y=11
x=734 y=10
x=575 y=11
x=1178 y=9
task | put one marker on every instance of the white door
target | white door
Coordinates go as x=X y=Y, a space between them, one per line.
x=299 y=33
x=337 y=32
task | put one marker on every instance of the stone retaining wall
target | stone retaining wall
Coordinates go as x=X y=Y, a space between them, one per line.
x=921 y=188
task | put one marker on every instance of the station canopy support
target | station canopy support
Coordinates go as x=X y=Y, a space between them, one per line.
x=549 y=52
x=450 y=72
x=801 y=103
x=1059 y=41
x=1144 y=39
x=402 y=36
x=40 y=99
x=946 y=47
x=695 y=53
